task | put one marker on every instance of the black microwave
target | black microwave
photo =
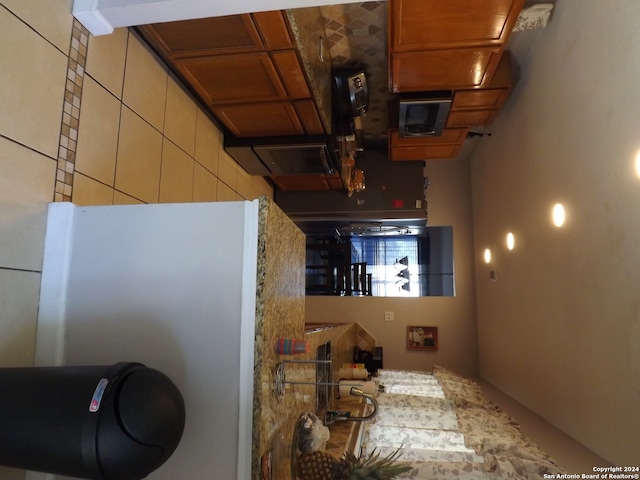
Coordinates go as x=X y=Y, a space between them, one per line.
x=425 y=114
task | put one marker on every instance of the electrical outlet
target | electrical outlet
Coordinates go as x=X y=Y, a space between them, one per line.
x=388 y=317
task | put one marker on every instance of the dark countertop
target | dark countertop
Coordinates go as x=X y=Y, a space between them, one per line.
x=308 y=29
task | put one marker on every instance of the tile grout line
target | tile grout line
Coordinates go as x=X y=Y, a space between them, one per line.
x=71 y=113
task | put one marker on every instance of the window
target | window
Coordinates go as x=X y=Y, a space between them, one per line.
x=408 y=266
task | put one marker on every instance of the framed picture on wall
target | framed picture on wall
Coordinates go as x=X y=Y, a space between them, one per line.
x=422 y=338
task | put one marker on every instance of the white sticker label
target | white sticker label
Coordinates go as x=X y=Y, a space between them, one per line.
x=97 y=395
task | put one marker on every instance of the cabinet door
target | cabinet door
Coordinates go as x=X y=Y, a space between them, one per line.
x=259 y=119
x=240 y=78
x=426 y=148
x=443 y=69
x=204 y=36
x=437 y=24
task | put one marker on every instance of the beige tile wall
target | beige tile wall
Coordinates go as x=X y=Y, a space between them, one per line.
x=94 y=120
x=145 y=138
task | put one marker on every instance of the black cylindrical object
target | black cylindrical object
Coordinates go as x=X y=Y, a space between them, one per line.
x=97 y=422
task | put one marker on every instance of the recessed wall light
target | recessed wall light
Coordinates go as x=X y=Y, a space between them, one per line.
x=638 y=163
x=558 y=215
x=487 y=255
x=511 y=241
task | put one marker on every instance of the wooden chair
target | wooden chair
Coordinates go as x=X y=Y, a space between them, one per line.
x=328 y=261
x=361 y=280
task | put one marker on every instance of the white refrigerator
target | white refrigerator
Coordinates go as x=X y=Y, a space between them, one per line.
x=170 y=286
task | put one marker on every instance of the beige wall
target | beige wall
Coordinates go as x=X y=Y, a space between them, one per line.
x=449 y=204
x=560 y=330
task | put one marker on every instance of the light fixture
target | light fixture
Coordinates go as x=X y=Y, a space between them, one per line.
x=558 y=215
x=490 y=259
x=511 y=241
x=638 y=163
x=402 y=264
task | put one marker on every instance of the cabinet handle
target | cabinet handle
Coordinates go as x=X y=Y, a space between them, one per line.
x=422 y=134
x=325 y=161
x=321 y=50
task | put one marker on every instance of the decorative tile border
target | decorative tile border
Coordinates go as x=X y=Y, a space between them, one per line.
x=71 y=113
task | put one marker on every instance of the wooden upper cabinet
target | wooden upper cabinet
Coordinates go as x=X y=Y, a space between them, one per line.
x=443 y=69
x=447 y=44
x=442 y=24
x=205 y=36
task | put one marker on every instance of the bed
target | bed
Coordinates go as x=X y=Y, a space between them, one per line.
x=448 y=429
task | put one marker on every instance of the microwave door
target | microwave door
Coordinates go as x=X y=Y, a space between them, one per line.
x=296 y=159
x=421 y=118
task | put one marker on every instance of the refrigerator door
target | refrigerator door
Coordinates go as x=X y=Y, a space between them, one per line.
x=394 y=190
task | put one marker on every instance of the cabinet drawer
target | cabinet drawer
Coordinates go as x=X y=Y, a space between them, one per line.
x=470 y=118
x=423 y=152
x=479 y=99
x=260 y=119
x=449 y=136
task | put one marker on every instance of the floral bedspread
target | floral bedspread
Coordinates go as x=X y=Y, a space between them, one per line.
x=448 y=429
